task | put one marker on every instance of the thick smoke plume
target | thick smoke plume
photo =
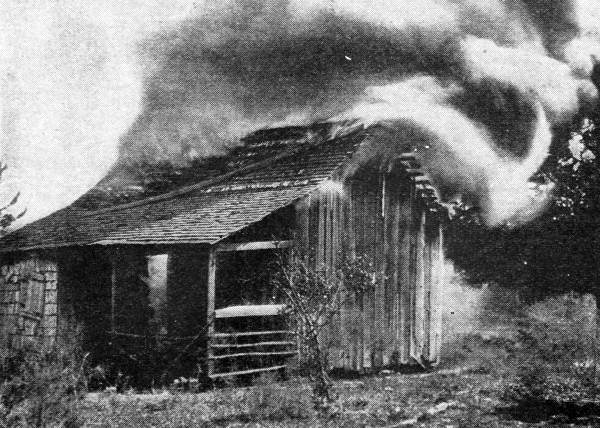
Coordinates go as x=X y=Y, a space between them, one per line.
x=481 y=84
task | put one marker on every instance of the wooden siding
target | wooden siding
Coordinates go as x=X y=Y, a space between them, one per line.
x=382 y=213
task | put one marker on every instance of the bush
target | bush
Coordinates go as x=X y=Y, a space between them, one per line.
x=556 y=363
x=41 y=384
x=314 y=295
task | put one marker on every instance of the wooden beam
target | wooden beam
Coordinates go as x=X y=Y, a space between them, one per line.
x=251 y=333
x=253 y=354
x=210 y=306
x=244 y=372
x=253 y=246
x=382 y=300
x=114 y=257
x=252 y=345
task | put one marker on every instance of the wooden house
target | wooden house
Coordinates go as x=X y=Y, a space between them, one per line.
x=160 y=269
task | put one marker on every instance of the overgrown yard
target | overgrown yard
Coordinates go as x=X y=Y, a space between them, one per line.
x=471 y=397
x=546 y=373
x=454 y=399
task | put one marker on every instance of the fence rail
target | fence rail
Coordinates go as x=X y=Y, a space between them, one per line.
x=249 y=352
x=251 y=333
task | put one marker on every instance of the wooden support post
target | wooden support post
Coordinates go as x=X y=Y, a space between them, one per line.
x=383 y=311
x=114 y=257
x=210 y=308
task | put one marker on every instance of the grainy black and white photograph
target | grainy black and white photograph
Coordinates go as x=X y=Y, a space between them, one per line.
x=299 y=213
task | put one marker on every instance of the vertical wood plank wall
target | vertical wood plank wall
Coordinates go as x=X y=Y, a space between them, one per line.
x=383 y=214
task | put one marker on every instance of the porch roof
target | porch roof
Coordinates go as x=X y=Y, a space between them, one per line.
x=206 y=212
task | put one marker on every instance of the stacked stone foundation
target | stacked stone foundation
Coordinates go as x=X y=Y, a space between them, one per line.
x=28 y=301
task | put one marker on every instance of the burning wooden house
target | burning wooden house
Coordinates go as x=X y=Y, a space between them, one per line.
x=192 y=266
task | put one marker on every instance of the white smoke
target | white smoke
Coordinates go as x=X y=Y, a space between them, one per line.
x=548 y=80
x=461 y=152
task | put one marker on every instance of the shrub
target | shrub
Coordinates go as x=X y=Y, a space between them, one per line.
x=556 y=363
x=41 y=384
x=314 y=294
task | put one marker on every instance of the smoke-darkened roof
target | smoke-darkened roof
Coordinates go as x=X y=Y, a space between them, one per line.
x=271 y=170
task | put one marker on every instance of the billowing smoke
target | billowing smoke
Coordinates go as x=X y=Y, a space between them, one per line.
x=459 y=153
x=70 y=86
x=481 y=84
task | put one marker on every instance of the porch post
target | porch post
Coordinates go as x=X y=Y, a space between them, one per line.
x=114 y=256
x=210 y=307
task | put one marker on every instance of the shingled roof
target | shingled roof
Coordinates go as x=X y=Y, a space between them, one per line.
x=272 y=169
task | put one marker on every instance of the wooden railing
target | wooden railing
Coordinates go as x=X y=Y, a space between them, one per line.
x=245 y=353
x=239 y=353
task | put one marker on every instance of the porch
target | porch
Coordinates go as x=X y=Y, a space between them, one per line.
x=192 y=311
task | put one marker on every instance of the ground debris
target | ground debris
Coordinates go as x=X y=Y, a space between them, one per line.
x=438 y=408
x=444 y=372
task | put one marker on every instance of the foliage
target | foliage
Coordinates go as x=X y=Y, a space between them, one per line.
x=577 y=174
x=560 y=250
x=6 y=216
x=41 y=384
x=556 y=364
x=314 y=294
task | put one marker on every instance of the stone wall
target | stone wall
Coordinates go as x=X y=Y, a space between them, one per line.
x=28 y=300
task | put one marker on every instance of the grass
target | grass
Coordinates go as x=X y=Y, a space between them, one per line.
x=470 y=389
x=370 y=401
x=40 y=385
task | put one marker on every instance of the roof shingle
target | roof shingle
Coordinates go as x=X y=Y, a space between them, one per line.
x=269 y=172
